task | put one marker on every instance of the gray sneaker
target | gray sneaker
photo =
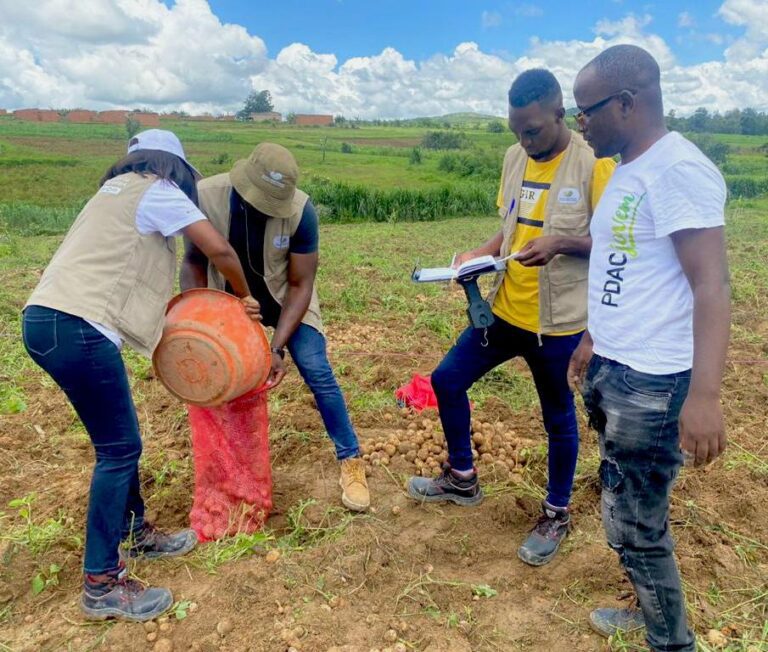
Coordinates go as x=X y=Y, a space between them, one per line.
x=151 y=543
x=547 y=535
x=114 y=595
x=608 y=621
x=447 y=487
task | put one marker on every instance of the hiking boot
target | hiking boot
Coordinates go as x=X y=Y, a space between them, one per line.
x=114 y=595
x=354 y=486
x=608 y=621
x=446 y=487
x=547 y=535
x=151 y=543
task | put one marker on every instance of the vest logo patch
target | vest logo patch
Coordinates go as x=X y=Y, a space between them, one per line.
x=274 y=177
x=281 y=241
x=110 y=189
x=568 y=196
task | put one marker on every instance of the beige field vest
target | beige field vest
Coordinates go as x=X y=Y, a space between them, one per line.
x=562 y=282
x=106 y=271
x=214 y=193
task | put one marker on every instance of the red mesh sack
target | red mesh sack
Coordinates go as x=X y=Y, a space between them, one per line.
x=417 y=394
x=233 y=476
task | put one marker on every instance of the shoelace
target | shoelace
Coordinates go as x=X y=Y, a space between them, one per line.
x=356 y=472
x=130 y=585
x=148 y=535
x=547 y=527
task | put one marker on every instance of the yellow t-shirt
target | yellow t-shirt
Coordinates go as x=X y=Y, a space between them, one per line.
x=517 y=301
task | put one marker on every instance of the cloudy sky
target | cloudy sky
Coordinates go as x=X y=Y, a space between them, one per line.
x=392 y=58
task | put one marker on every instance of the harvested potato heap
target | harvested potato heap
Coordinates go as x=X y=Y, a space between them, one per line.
x=421 y=442
x=233 y=474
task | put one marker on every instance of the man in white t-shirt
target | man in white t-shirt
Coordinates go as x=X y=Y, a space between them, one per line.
x=651 y=362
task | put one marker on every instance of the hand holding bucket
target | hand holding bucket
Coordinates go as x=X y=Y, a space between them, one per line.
x=211 y=351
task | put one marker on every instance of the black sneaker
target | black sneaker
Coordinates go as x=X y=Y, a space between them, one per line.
x=151 y=543
x=446 y=487
x=114 y=595
x=547 y=535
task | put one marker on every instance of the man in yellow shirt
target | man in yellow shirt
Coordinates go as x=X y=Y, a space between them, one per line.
x=550 y=185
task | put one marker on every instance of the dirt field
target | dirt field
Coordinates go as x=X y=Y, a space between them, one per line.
x=403 y=576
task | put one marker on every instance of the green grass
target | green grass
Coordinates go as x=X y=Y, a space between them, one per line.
x=30 y=219
x=364 y=277
x=341 y=202
x=212 y=555
x=299 y=534
x=364 y=280
x=24 y=529
x=58 y=165
x=379 y=158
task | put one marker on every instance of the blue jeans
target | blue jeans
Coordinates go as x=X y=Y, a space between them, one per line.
x=307 y=348
x=469 y=360
x=636 y=417
x=88 y=367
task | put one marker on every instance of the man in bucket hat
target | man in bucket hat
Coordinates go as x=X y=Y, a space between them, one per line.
x=273 y=227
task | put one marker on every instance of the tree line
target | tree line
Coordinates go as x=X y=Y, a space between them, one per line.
x=748 y=122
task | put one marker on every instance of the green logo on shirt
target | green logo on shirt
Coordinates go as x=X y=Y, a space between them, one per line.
x=624 y=224
x=624 y=248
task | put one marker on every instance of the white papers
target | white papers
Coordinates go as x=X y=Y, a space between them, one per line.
x=432 y=274
x=472 y=267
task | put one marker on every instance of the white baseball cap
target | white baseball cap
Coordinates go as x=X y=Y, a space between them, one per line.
x=162 y=140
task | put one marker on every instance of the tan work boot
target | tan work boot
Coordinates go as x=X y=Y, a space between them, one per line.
x=354 y=486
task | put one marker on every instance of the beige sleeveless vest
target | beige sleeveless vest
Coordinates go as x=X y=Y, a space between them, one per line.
x=562 y=282
x=106 y=271
x=214 y=193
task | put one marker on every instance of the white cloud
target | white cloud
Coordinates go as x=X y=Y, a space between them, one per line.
x=753 y=15
x=685 y=20
x=630 y=25
x=490 y=19
x=101 y=53
x=387 y=84
x=126 y=53
x=565 y=58
x=86 y=22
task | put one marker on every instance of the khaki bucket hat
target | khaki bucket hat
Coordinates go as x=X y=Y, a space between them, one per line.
x=267 y=179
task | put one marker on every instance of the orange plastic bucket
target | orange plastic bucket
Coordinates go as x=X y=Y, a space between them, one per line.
x=211 y=352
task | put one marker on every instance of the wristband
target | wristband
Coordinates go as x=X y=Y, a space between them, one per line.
x=280 y=351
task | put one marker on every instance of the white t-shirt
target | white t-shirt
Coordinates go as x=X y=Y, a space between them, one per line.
x=640 y=301
x=164 y=208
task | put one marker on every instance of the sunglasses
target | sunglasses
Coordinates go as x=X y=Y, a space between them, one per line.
x=583 y=114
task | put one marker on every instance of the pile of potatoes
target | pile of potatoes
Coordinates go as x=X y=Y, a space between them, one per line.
x=421 y=443
x=357 y=335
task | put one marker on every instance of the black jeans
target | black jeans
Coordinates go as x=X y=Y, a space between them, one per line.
x=636 y=417
x=477 y=352
x=90 y=370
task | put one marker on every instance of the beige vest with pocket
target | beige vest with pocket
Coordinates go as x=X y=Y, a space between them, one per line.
x=214 y=193
x=563 y=281
x=106 y=271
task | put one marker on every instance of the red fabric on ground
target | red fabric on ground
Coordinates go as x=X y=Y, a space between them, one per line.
x=417 y=394
x=233 y=475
